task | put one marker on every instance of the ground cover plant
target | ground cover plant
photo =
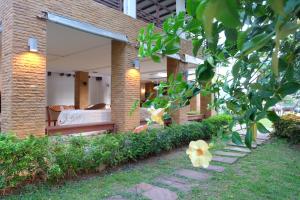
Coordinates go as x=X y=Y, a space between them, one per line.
x=52 y=159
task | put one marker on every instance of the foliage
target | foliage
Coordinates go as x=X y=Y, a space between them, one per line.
x=288 y=127
x=262 y=46
x=54 y=158
x=284 y=159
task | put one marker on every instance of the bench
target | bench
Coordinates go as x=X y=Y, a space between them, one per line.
x=80 y=128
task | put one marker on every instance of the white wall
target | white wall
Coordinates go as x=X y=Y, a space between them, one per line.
x=60 y=90
x=99 y=91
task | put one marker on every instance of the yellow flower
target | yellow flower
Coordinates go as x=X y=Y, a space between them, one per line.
x=157 y=115
x=199 y=154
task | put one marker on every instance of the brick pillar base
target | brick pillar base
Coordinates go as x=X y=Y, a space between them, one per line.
x=174 y=67
x=23 y=92
x=125 y=86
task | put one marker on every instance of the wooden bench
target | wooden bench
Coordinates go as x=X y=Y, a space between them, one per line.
x=80 y=128
x=197 y=118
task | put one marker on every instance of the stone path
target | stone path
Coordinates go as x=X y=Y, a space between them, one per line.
x=183 y=180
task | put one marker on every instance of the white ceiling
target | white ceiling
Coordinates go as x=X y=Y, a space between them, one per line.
x=70 y=50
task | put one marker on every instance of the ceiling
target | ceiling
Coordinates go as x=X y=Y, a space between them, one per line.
x=70 y=50
x=153 y=11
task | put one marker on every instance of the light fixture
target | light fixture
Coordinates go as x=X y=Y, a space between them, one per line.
x=136 y=63
x=33 y=45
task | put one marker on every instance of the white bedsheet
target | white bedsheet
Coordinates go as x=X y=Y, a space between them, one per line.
x=69 y=117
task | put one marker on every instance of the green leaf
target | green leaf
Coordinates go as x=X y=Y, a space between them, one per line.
x=241 y=39
x=236 y=138
x=191 y=6
x=155 y=58
x=227 y=13
x=261 y=128
x=134 y=107
x=206 y=13
x=277 y=6
x=271 y=102
x=236 y=68
x=141 y=36
x=196 y=46
x=272 y=116
x=288 y=88
x=250 y=114
x=248 y=139
x=231 y=34
x=256 y=43
x=172 y=46
x=205 y=72
x=287 y=29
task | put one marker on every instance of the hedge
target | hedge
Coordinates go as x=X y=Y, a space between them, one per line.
x=55 y=158
x=288 y=127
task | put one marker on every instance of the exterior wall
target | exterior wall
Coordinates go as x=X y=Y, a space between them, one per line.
x=125 y=86
x=24 y=73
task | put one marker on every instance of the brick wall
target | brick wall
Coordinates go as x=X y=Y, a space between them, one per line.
x=23 y=73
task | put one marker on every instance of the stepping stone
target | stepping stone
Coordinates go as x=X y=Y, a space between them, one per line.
x=118 y=197
x=259 y=142
x=160 y=194
x=201 y=176
x=240 y=149
x=215 y=168
x=228 y=160
x=175 y=182
x=241 y=145
x=153 y=192
x=233 y=154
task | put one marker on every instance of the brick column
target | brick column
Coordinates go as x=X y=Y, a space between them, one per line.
x=23 y=73
x=81 y=89
x=205 y=100
x=174 y=67
x=195 y=103
x=125 y=86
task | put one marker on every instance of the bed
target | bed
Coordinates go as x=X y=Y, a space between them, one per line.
x=70 y=117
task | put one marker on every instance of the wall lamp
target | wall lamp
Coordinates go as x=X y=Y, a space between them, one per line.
x=33 y=45
x=136 y=63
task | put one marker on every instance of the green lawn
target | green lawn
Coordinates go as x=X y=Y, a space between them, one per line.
x=270 y=172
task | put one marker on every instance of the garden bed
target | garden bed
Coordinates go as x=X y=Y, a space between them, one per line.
x=53 y=159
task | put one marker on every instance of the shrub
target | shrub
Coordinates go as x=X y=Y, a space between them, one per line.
x=288 y=127
x=57 y=157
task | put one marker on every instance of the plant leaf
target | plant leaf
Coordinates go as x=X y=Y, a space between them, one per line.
x=277 y=6
x=272 y=116
x=236 y=138
x=256 y=43
x=261 y=128
x=288 y=88
x=248 y=139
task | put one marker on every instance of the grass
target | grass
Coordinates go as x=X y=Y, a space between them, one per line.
x=270 y=172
